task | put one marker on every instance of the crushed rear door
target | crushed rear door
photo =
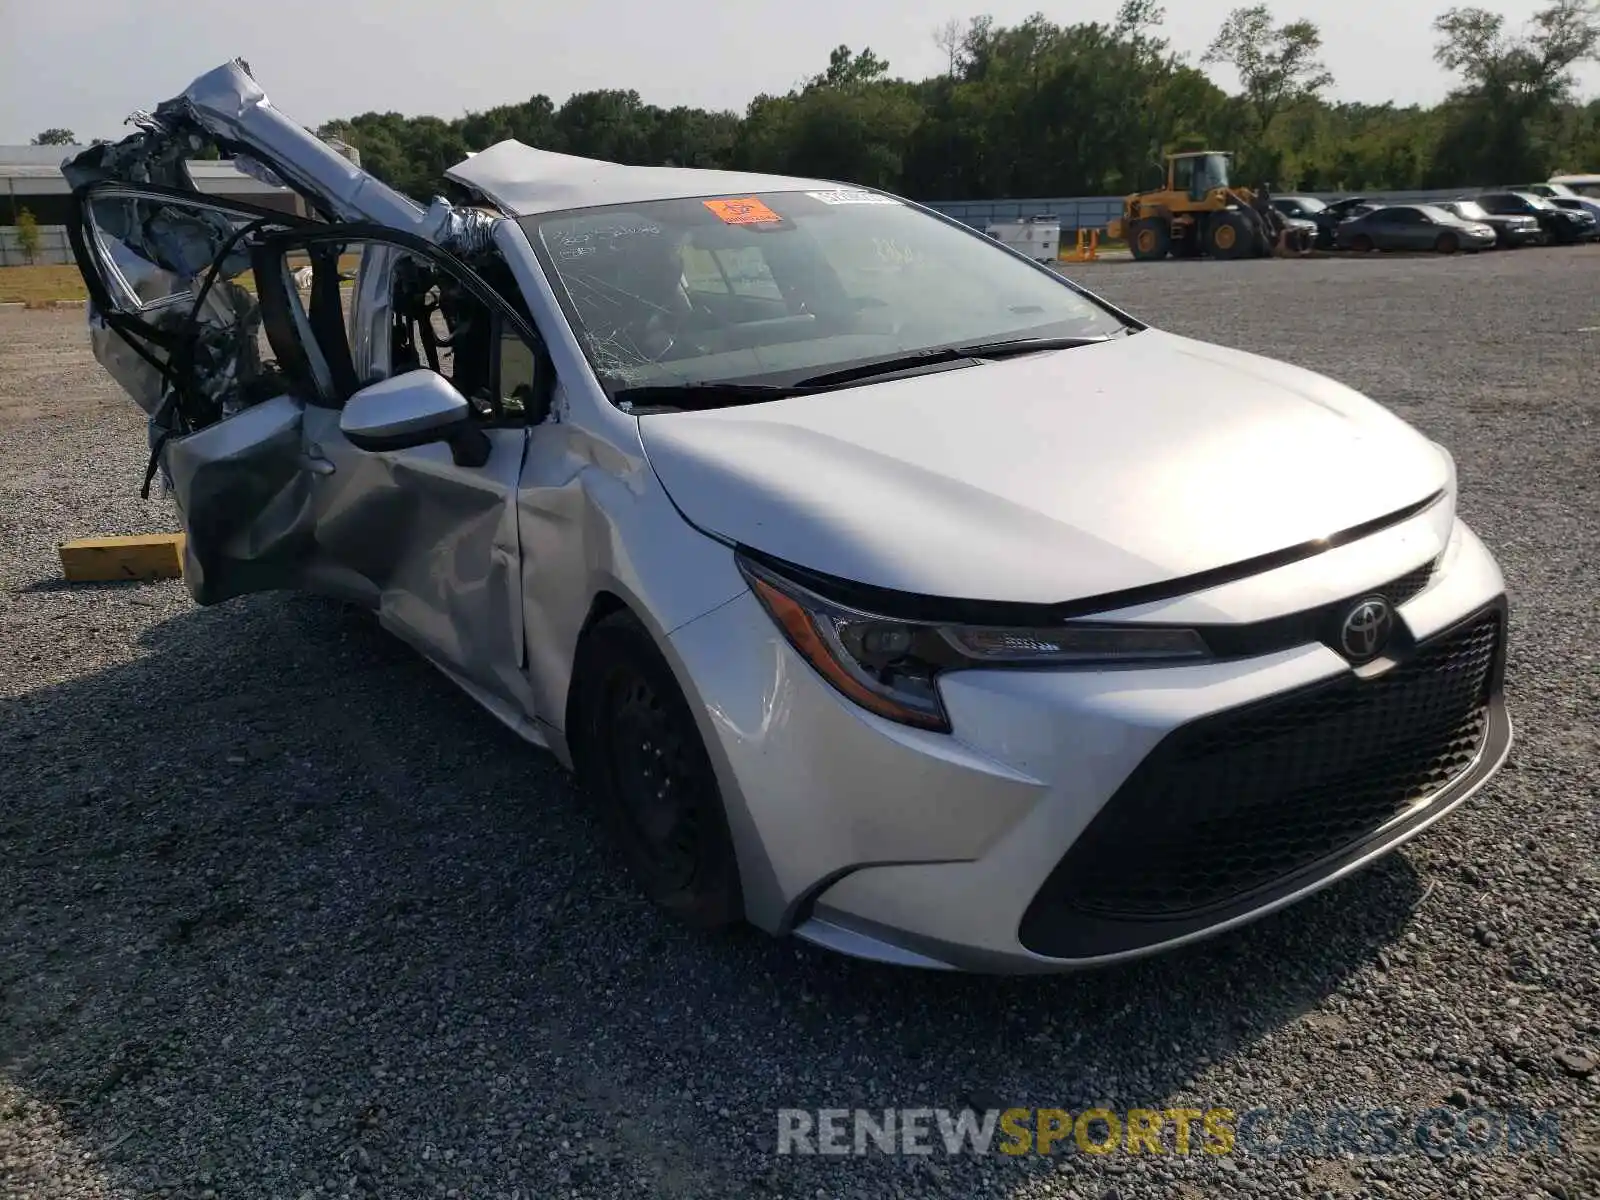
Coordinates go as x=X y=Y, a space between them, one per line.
x=174 y=319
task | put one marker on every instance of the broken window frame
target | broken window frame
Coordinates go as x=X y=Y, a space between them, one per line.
x=128 y=318
x=288 y=325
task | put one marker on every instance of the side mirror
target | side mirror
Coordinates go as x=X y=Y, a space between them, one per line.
x=414 y=409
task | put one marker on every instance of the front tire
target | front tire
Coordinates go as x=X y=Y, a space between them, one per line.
x=1229 y=236
x=1151 y=239
x=640 y=758
x=1448 y=243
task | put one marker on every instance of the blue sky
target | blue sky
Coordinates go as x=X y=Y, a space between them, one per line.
x=85 y=64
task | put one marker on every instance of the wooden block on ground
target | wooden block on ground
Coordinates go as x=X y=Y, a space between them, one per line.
x=142 y=556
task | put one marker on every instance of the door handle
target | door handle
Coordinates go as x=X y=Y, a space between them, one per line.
x=313 y=461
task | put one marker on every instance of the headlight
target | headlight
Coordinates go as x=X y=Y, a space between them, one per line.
x=889 y=666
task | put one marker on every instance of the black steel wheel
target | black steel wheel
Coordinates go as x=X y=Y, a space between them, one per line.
x=639 y=755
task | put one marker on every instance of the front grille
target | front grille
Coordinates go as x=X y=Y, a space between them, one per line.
x=1233 y=803
x=1410 y=585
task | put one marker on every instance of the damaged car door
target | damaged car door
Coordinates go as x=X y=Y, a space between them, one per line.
x=174 y=318
x=392 y=485
x=419 y=402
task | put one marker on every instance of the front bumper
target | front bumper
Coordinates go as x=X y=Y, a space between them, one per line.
x=1522 y=235
x=1014 y=844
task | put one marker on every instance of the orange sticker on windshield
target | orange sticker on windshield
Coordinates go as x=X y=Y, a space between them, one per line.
x=745 y=211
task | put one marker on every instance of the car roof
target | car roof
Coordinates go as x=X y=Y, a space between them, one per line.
x=526 y=181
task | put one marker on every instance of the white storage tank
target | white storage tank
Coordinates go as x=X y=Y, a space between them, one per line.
x=1037 y=237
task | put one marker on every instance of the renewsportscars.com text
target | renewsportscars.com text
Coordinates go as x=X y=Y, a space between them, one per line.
x=1165 y=1131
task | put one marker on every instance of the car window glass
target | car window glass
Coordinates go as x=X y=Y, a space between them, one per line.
x=518 y=367
x=752 y=287
x=747 y=272
x=701 y=273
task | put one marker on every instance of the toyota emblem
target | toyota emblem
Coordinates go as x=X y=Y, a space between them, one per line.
x=1366 y=629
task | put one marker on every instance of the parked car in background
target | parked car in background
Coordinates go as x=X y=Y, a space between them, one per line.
x=1414 y=227
x=1309 y=209
x=1563 y=196
x=1579 y=204
x=1350 y=206
x=1299 y=206
x=1583 y=185
x=1560 y=225
x=1511 y=229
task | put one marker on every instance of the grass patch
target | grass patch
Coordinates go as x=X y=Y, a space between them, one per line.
x=37 y=284
x=50 y=281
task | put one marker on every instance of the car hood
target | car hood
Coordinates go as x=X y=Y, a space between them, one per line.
x=1054 y=477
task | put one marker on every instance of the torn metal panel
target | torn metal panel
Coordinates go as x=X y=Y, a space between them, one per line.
x=225 y=109
x=228 y=107
x=227 y=104
x=463 y=231
x=245 y=502
x=152 y=256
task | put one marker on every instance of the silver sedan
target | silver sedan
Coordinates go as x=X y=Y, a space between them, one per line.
x=883 y=587
x=1414 y=227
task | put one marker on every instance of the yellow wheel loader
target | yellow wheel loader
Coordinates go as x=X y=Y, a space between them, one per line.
x=1200 y=213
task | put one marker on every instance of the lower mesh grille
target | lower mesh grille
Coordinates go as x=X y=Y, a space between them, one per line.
x=1239 y=801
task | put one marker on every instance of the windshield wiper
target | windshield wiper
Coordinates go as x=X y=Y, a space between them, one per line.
x=713 y=394
x=1007 y=348
x=701 y=395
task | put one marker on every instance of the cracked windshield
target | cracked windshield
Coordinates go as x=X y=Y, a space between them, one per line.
x=761 y=288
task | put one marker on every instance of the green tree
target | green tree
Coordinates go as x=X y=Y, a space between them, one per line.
x=1037 y=109
x=28 y=235
x=1505 y=119
x=1277 y=64
x=846 y=69
x=55 y=137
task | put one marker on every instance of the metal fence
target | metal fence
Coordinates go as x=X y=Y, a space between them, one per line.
x=1092 y=212
x=53 y=246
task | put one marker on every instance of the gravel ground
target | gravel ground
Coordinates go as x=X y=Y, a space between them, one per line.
x=282 y=915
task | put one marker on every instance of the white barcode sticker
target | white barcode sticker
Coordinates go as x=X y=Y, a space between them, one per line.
x=844 y=196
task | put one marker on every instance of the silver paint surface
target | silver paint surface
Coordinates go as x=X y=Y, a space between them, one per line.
x=413 y=403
